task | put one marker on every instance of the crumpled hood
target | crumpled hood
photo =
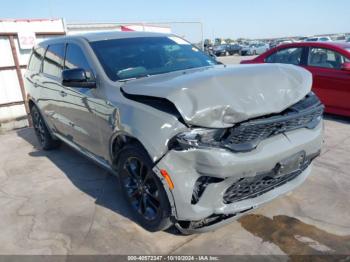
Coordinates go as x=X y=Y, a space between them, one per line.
x=221 y=96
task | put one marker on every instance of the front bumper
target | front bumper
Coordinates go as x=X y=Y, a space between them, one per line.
x=185 y=167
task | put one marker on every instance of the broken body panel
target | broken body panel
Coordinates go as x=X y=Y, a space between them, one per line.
x=220 y=96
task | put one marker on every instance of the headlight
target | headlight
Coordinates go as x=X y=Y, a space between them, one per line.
x=200 y=137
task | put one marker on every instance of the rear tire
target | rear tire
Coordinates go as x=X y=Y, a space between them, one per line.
x=46 y=141
x=142 y=189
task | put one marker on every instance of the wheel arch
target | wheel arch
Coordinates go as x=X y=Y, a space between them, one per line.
x=31 y=103
x=118 y=141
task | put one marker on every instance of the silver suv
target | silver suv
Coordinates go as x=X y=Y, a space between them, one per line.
x=195 y=143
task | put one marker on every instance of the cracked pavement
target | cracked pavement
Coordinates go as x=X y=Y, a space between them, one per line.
x=59 y=202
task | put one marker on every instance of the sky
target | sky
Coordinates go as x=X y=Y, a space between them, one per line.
x=223 y=18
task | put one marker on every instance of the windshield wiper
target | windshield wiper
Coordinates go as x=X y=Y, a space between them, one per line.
x=133 y=78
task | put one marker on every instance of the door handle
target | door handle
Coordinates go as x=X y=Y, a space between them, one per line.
x=36 y=84
x=63 y=94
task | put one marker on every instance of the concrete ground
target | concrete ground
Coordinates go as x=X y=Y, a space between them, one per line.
x=58 y=202
x=234 y=59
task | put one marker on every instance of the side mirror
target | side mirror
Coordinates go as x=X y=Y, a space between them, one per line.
x=345 y=66
x=77 y=77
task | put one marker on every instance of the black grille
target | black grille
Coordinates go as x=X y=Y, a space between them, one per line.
x=250 y=187
x=247 y=136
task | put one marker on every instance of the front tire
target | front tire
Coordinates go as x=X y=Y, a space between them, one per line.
x=142 y=189
x=46 y=141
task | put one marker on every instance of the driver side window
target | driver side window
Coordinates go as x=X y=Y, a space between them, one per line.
x=286 y=56
x=75 y=58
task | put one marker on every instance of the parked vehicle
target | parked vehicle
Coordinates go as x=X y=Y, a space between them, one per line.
x=226 y=49
x=319 y=39
x=194 y=143
x=221 y=50
x=234 y=49
x=273 y=44
x=339 y=38
x=285 y=42
x=254 y=49
x=329 y=64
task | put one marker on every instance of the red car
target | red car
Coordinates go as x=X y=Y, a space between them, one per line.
x=329 y=63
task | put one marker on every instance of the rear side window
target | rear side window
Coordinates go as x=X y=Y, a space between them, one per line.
x=326 y=58
x=53 y=61
x=286 y=56
x=35 y=59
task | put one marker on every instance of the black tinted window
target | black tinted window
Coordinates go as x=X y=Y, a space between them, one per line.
x=286 y=56
x=35 y=59
x=53 y=60
x=75 y=58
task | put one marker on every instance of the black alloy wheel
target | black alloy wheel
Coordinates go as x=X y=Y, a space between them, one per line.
x=46 y=141
x=38 y=127
x=142 y=189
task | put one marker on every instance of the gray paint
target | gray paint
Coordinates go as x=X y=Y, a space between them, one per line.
x=216 y=96
x=221 y=96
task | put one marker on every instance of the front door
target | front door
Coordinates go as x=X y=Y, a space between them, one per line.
x=80 y=106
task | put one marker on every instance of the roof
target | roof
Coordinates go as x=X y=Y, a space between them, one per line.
x=320 y=44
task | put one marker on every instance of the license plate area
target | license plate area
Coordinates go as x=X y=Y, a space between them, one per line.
x=290 y=164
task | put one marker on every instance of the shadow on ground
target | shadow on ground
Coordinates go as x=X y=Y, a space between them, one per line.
x=85 y=175
x=341 y=119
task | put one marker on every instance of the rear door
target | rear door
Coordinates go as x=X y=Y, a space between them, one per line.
x=33 y=71
x=50 y=86
x=330 y=83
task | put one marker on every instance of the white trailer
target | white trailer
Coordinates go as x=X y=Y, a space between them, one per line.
x=79 y=28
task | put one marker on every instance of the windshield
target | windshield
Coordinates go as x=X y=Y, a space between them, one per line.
x=142 y=56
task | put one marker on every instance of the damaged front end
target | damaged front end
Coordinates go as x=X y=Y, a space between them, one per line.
x=246 y=136
x=220 y=174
